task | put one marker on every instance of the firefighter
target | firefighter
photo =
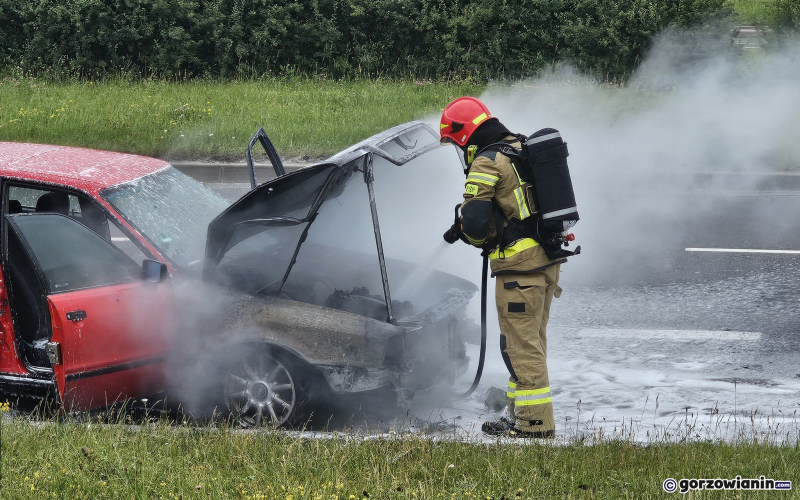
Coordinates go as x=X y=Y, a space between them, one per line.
x=526 y=279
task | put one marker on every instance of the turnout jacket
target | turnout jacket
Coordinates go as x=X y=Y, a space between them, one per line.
x=492 y=176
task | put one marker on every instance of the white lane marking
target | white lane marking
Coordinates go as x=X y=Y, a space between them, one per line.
x=669 y=334
x=118 y=238
x=740 y=250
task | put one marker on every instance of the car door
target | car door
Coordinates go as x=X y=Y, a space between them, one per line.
x=111 y=329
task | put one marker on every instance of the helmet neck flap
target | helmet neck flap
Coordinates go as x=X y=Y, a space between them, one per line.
x=488 y=132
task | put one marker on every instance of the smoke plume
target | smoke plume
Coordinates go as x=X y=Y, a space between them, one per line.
x=654 y=162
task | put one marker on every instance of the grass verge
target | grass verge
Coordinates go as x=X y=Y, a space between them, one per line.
x=71 y=460
x=213 y=119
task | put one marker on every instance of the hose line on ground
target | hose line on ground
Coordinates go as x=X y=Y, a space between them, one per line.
x=482 y=358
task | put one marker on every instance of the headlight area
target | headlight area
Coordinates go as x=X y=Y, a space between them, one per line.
x=433 y=355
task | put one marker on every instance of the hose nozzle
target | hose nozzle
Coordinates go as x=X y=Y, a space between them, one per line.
x=454 y=233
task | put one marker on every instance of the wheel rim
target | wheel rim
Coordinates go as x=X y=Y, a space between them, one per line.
x=260 y=391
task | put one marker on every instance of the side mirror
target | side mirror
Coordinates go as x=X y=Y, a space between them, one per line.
x=154 y=271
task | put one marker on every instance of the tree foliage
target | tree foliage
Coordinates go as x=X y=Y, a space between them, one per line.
x=785 y=14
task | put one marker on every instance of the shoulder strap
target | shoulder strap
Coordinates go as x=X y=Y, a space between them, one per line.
x=516 y=156
x=504 y=147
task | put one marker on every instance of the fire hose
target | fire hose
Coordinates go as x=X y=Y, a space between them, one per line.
x=453 y=234
x=482 y=356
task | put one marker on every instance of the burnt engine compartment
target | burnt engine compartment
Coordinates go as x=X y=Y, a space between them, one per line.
x=359 y=301
x=337 y=278
x=319 y=289
x=429 y=305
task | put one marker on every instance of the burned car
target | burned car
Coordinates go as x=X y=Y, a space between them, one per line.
x=303 y=289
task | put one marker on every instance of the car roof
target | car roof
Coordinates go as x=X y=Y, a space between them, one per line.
x=89 y=170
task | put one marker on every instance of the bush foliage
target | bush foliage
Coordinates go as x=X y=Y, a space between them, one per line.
x=336 y=38
x=785 y=14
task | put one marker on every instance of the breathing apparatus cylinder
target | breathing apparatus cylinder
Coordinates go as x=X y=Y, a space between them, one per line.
x=546 y=154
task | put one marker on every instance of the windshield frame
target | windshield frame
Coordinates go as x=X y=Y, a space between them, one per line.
x=104 y=194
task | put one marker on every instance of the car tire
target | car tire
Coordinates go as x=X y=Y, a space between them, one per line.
x=263 y=388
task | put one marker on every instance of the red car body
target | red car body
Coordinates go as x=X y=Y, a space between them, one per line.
x=111 y=339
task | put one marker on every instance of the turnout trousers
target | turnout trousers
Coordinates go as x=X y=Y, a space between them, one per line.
x=523 y=309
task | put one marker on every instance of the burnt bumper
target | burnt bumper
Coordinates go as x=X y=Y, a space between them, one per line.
x=430 y=356
x=355 y=378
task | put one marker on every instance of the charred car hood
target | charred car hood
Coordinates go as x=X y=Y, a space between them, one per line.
x=295 y=197
x=313 y=236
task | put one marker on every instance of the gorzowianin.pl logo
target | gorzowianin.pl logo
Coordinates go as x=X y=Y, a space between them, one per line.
x=685 y=485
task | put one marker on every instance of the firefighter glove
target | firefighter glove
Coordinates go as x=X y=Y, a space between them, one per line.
x=453 y=234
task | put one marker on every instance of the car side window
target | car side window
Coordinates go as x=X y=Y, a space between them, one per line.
x=71 y=256
x=23 y=199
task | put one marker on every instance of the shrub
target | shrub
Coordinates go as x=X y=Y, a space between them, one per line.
x=336 y=38
x=785 y=14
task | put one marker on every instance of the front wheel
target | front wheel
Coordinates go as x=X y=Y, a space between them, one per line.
x=260 y=389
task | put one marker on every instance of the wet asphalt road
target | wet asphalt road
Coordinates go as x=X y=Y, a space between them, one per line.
x=658 y=284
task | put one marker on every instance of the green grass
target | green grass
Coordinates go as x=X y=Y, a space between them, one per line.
x=213 y=119
x=71 y=460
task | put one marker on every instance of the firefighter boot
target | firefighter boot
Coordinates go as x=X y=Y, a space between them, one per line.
x=497 y=427
x=506 y=428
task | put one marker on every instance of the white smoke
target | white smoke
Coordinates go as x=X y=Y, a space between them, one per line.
x=639 y=152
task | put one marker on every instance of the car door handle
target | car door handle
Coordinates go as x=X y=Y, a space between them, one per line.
x=78 y=315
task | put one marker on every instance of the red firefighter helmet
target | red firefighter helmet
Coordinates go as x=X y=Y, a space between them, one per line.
x=460 y=119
